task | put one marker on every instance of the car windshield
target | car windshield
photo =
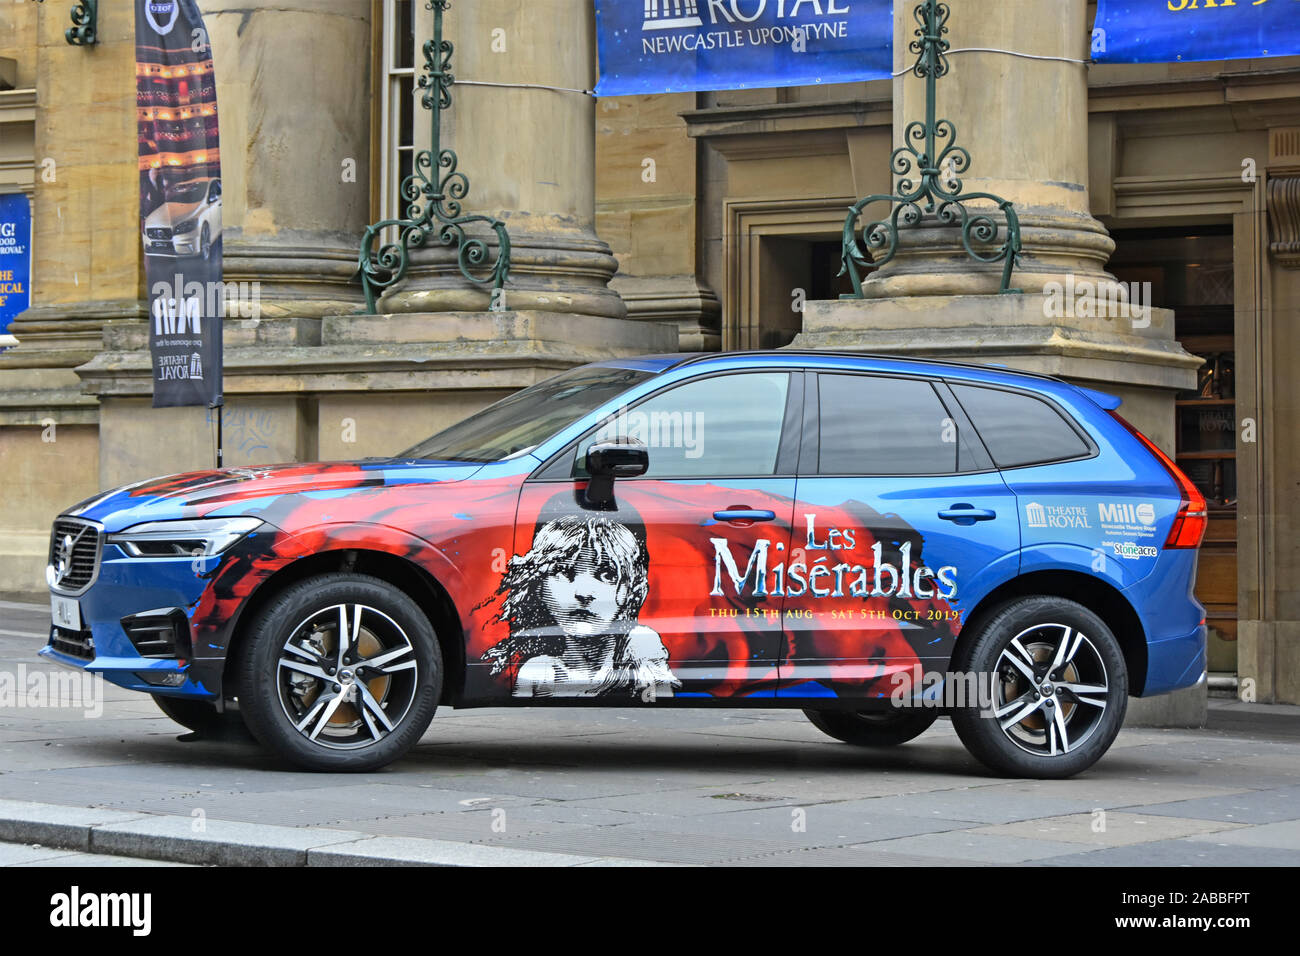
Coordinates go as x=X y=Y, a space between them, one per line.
x=518 y=424
x=187 y=192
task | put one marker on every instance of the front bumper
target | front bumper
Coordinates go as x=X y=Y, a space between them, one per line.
x=125 y=587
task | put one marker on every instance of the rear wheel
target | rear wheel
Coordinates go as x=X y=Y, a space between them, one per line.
x=1057 y=689
x=341 y=672
x=873 y=729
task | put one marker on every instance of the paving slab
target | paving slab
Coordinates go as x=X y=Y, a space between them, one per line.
x=1253 y=806
x=1115 y=828
x=974 y=846
x=1280 y=836
x=1191 y=852
x=387 y=851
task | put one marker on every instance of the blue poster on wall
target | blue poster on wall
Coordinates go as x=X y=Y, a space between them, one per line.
x=15 y=257
x=1169 y=31
x=670 y=46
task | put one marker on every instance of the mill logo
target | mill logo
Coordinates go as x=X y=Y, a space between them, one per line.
x=1036 y=514
x=671 y=14
x=1124 y=513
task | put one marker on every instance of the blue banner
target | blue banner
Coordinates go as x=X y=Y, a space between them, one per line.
x=670 y=46
x=1169 y=31
x=15 y=257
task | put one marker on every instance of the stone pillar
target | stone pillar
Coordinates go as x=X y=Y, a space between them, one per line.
x=530 y=155
x=1024 y=122
x=1269 y=628
x=293 y=95
x=85 y=269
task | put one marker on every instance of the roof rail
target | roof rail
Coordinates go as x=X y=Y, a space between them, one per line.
x=842 y=353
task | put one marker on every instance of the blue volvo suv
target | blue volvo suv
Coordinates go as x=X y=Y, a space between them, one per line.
x=874 y=541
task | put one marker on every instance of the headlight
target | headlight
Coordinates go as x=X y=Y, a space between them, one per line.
x=170 y=539
x=183 y=227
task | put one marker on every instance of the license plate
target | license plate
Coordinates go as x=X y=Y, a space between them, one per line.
x=65 y=612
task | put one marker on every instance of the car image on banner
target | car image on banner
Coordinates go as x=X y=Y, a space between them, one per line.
x=860 y=538
x=187 y=222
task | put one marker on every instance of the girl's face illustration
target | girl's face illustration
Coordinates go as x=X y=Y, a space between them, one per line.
x=584 y=597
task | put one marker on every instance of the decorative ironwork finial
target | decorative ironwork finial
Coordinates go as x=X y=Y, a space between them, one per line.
x=85 y=23
x=433 y=194
x=929 y=175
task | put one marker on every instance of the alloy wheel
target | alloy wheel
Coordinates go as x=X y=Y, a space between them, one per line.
x=346 y=676
x=1050 y=690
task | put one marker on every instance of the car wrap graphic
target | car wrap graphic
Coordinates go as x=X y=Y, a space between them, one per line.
x=676 y=603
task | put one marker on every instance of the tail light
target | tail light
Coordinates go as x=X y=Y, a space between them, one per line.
x=1189 y=524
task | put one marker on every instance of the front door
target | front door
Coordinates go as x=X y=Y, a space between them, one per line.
x=900 y=527
x=668 y=593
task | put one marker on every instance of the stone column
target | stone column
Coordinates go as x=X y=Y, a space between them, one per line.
x=1024 y=122
x=530 y=155
x=293 y=94
x=85 y=269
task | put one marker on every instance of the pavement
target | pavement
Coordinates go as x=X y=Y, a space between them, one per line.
x=600 y=787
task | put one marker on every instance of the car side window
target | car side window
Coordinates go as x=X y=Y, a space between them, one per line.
x=874 y=425
x=716 y=427
x=214 y=191
x=1019 y=429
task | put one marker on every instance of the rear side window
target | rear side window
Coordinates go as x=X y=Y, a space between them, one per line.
x=1019 y=429
x=883 y=426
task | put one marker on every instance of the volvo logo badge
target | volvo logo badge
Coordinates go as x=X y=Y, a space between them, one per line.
x=61 y=558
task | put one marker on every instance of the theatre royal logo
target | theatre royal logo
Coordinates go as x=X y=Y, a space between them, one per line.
x=158 y=10
x=671 y=14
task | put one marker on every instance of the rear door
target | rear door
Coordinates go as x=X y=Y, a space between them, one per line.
x=674 y=582
x=901 y=525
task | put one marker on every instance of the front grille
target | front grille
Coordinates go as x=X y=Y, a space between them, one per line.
x=157 y=233
x=75 y=548
x=73 y=643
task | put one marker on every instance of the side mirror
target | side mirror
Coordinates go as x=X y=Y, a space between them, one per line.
x=607 y=460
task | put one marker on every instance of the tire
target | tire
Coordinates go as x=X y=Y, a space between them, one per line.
x=202 y=717
x=1063 y=729
x=864 y=728
x=205 y=243
x=353 y=717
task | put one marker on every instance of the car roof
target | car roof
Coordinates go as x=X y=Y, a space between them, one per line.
x=867 y=361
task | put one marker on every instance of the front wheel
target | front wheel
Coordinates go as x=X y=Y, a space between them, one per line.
x=1054 y=684
x=341 y=672
x=865 y=728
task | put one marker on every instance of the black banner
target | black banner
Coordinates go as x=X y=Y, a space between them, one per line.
x=180 y=200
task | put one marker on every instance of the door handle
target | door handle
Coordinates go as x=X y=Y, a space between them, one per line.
x=966 y=515
x=743 y=514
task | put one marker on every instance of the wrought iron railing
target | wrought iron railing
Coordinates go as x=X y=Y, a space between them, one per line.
x=939 y=189
x=433 y=194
